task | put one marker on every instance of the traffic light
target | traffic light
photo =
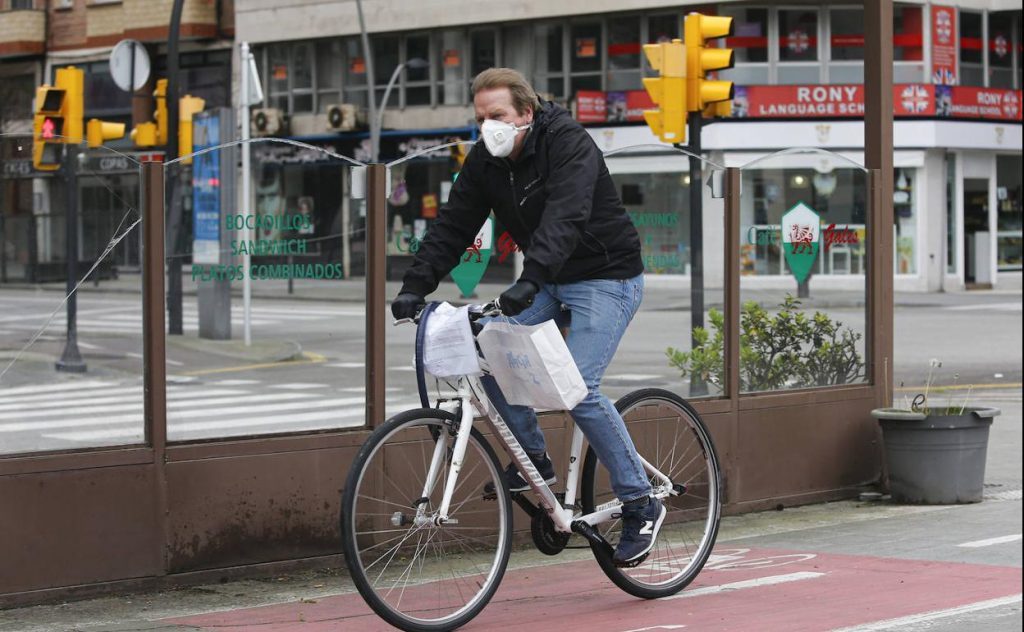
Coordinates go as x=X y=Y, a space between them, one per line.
x=701 y=59
x=48 y=128
x=668 y=90
x=72 y=81
x=98 y=131
x=153 y=133
x=187 y=107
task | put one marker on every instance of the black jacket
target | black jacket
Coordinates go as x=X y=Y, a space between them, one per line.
x=557 y=200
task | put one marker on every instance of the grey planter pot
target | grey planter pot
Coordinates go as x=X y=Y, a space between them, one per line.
x=936 y=459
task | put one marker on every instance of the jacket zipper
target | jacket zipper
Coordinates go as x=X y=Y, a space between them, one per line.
x=515 y=202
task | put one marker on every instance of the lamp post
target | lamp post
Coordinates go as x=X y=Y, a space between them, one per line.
x=416 y=64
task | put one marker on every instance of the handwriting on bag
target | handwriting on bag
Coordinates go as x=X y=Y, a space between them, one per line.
x=518 y=361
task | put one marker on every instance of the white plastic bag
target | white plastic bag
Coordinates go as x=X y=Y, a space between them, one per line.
x=532 y=365
x=448 y=348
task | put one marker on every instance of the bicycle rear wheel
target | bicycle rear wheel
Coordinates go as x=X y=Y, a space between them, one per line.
x=669 y=433
x=416 y=574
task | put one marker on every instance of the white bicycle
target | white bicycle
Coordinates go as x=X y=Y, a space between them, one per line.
x=426 y=515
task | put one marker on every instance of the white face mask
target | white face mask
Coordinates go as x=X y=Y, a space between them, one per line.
x=500 y=137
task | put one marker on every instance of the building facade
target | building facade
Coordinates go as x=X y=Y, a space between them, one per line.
x=798 y=73
x=39 y=36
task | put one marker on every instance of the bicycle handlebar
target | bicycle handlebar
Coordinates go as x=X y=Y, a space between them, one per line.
x=487 y=310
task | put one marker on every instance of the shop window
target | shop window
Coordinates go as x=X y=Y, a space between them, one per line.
x=1003 y=47
x=972 y=71
x=483 y=51
x=451 y=67
x=624 y=54
x=329 y=73
x=908 y=44
x=385 y=60
x=658 y=204
x=516 y=48
x=548 y=65
x=585 y=46
x=951 y=214
x=417 y=70
x=16 y=96
x=798 y=46
x=750 y=43
x=846 y=46
x=662 y=28
x=290 y=76
x=1009 y=215
x=905 y=221
x=354 y=86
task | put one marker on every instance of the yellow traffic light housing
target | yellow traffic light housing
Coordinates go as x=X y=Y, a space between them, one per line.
x=72 y=81
x=48 y=128
x=187 y=107
x=701 y=59
x=160 y=114
x=668 y=91
x=98 y=131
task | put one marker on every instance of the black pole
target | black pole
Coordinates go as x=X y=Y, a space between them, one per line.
x=174 y=212
x=71 y=360
x=697 y=385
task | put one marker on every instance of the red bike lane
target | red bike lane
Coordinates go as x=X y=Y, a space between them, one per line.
x=739 y=589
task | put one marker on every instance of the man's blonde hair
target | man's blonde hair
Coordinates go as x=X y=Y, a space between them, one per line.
x=523 y=94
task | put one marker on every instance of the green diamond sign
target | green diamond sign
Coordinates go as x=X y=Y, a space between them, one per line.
x=474 y=263
x=801 y=230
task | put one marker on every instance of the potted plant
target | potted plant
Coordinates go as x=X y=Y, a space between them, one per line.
x=935 y=452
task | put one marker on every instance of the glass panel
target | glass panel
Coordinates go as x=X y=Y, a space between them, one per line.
x=662 y=28
x=908 y=43
x=417 y=49
x=847 y=33
x=329 y=60
x=655 y=190
x=302 y=102
x=302 y=66
x=1009 y=215
x=551 y=87
x=300 y=365
x=417 y=95
x=790 y=74
x=68 y=383
x=278 y=60
x=904 y=203
x=586 y=45
x=482 y=51
x=970 y=38
x=385 y=59
x=803 y=231
x=1000 y=48
x=798 y=35
x=355 y=64
x=590 y=82
x=548 y=54
x=451 y=67
x=750 y=39
x=846 y=73
x=623 y=80
x=749 y=75
x=624 y=43
x=907 y=73
x=976 y=220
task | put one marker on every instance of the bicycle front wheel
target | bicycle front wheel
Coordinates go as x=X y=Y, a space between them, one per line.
x=414 y=573
x=670 y=435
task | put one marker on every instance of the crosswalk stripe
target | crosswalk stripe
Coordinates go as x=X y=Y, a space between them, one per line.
x=130 y=412
x=298 y=386
x=46 y=388
x=114 y=396
x=60 y=396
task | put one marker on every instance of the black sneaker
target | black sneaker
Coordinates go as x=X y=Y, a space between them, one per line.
x=641 y=523
x=516 y=482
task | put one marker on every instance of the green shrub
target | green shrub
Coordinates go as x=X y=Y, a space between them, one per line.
x=787 y=350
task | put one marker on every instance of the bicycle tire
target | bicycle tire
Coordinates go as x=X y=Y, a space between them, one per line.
x=357 y=512
x=671 y=410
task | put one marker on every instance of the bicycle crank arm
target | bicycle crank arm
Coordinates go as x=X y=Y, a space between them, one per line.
x=597 y=541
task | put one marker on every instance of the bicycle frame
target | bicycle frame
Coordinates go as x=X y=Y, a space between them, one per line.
x=470 y=394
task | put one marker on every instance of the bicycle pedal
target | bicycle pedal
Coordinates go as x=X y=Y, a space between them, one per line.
x=632 y=564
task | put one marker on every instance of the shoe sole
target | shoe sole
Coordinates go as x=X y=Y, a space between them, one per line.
x=548 y=481
x=654 y=538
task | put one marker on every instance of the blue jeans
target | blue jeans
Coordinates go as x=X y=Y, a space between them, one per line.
x=599 y=311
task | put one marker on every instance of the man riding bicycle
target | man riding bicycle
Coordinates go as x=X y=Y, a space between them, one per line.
x=547 y=183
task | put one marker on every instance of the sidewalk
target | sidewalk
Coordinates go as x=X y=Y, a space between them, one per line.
x=661 y=293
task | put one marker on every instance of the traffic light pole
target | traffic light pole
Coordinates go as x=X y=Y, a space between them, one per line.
x=71 y=360
x=175 y=229
x=694 y=122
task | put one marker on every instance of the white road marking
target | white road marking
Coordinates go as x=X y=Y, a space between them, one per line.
x=771 y=580
x=634 y=377
x=1001 y=307
x=47 y=388
x=110 y=396
x=889 y=624
x=235 y=382
x=298 y=386
x=347 y=365
x=977 y=544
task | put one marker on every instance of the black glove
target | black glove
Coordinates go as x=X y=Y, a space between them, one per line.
x=406 y=305
x=517 y=298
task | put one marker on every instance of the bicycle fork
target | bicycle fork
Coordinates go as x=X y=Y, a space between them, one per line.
x=437 y=461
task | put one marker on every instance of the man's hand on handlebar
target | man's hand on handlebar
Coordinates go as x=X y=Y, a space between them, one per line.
x=406 y=305
x=518 y=297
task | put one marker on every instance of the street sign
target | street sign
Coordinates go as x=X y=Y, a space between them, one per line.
x=206 y=207
x=129 y=59
x=474 y=263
